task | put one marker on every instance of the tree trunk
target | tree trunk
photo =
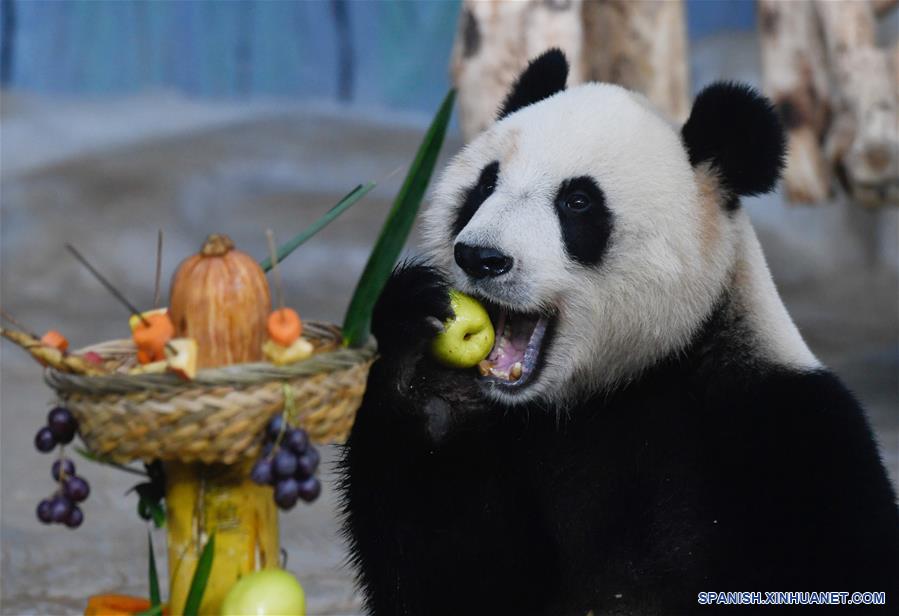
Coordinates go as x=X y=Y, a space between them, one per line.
x=795 y=77
x=882 y=7
x=494 y=42
x=866 y=100
x=640 y=44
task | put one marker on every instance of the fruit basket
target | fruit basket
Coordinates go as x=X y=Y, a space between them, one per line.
x=222 y=399
x=219 y=415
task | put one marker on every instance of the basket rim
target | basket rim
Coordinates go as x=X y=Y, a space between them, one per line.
x=234 y=376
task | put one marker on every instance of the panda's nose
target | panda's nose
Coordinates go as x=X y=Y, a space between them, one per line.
x=482 y=261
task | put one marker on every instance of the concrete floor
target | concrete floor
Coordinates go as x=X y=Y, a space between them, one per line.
x=835 y=265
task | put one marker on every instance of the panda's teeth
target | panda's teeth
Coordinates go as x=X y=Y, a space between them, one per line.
x=485 y=367
x=515 y=372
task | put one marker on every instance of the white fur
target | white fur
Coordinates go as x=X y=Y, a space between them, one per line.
x=657 y=281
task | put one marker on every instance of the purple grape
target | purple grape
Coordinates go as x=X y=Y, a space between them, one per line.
x=62 y=425
x=262 y=472
x=76 y=489
x=44 y=511
x=75 y=518
x=297 y=440
x=44 y=440
x=309 y=489
x=308 y=463
x=60 y=507
x=68 y=468
x=274 y=427
x=286 y=492
x=284 y=464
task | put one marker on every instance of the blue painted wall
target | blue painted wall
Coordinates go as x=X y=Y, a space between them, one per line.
x=212 y=48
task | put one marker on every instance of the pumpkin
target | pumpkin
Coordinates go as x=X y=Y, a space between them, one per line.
x=220 y=298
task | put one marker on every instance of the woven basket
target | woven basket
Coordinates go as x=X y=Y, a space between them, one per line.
x=219 y=416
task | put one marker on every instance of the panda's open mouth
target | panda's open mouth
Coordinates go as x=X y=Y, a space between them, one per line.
x=516 y=350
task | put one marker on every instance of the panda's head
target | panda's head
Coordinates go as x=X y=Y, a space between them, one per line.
x=599 y=235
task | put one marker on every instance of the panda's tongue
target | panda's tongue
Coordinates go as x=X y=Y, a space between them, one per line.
x=510 y=356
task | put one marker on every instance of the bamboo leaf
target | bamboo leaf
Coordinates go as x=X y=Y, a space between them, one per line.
x=343 y=205
x=201 y=577
x=357 y=322
x=154 y=578
x=157 y=511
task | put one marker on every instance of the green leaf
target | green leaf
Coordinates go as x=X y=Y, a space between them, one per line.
x=154 y=578
x=343 y=205
x=201 y=576
x=357 y=322
x=158 y=513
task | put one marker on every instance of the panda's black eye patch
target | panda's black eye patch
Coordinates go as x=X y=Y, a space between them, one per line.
x=476 y=195
x=585 y=220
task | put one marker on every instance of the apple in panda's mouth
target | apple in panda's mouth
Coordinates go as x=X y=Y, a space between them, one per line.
x=519 y=341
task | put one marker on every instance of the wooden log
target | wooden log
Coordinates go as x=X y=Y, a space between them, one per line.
x=795 y=77
x=882 y=7
x=495 y=40
x=866 y=99
x=641 y=45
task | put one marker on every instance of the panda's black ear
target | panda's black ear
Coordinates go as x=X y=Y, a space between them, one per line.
x=544 y=76
x=737 y=131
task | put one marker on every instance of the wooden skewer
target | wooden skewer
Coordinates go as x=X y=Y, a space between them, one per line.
x=115 y=292
x=13 y=320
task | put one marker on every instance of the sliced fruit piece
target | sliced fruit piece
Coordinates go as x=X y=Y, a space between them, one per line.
x=153 y=367
x=183 y=357
x=94 y=358
x=281 y=355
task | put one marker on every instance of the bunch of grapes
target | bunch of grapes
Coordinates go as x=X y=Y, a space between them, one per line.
x=61 y=507
x=288 y=463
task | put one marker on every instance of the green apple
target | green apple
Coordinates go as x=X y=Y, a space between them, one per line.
x=467 y=336
x=265 y=593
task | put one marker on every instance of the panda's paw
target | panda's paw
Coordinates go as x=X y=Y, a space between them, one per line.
x=411 y=310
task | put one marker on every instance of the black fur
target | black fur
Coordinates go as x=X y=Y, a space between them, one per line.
x=476 y=195
x=737 y=130
x=584 y=218
x=711 y=472
x=544 y=76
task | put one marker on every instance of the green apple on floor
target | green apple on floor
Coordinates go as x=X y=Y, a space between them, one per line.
x=270 y=592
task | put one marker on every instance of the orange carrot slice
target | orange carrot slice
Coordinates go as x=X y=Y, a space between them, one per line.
x=115 y=605
x=284 y=326
x=56 y=340
x=152 y=336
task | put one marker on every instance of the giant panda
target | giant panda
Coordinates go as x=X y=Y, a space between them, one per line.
x=670 y=432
